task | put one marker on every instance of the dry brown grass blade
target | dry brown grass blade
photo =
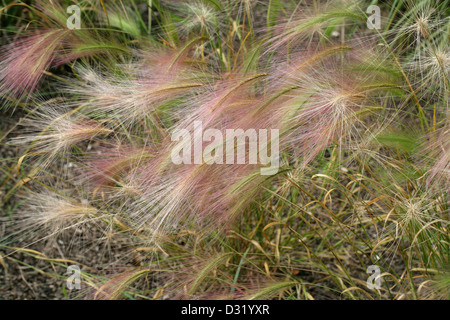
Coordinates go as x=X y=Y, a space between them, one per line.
x=322 y=54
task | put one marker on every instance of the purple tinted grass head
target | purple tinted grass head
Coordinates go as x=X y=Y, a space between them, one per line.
x=24 y=61
x=206 y=194
x=107 y=166
x=323 y=95
x=223 y=102
x=139 y=91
